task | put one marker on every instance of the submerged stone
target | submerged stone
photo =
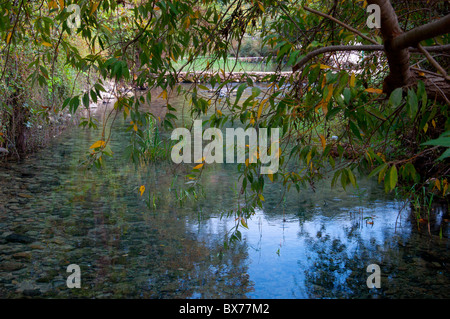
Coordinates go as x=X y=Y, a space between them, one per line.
x=10 y=266
x=16 y=238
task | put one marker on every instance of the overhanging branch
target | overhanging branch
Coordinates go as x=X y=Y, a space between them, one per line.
x=426 y=31
x=343 y=48
x=334 y=48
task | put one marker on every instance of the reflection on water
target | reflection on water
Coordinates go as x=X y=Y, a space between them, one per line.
x=312 y=245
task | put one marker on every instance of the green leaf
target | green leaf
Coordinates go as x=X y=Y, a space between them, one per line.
x=442 y=140
x=421 y=93
x=66 y=102
x=86 y=100
x=256 y=91
x=412 y=104
x=396 y=97
x=239 y=92
x=377 y=170
x=393 y=177
x=347 y=95
x=444 y=155
x=351 y=176
x=355 y=130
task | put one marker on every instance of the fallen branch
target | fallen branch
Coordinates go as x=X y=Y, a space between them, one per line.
x=433 y=61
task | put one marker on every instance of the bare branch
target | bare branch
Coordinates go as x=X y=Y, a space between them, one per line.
x=433 y=61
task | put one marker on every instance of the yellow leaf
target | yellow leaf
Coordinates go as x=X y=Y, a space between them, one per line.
x=324 y=107
x=437 y=184
x=47 y=44
x=219 y=112
x=261 y=7
x=163 y=94
x=261 y=197
x=372 y=90
x=270 y=177
x=187 y=22
x=198 y=166
x=434 y=123
x=200 y=160
x=8 y=37
x=352 y=80
x=324 y=66
x=323 y=141
x=61 y=4
x=382 y=156
x=324 y=81
x=94 y=7
x=98 y=144
x=135 y=128
x=142 y=189
x=259 y=111
x=52 y=4
x=425 y=128
x=243 y=222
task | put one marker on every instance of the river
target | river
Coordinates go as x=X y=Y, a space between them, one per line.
x=315 y=244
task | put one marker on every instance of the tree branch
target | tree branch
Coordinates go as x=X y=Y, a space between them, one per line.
x=398 y=59
x=342 y=24
x=10 y=40
x=433 y=61
x=426 y=31
x=334 y=48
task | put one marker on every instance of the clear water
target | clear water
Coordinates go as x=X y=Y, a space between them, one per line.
x=313 y=245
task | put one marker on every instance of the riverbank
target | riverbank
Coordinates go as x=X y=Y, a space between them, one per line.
x=255 y=76
x=37 y=137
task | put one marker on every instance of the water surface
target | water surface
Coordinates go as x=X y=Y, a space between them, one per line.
x=313 y=244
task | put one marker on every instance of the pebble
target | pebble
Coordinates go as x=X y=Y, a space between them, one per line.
x=22 y=255
x=16 y=238
x=11 y=266
x=36 y=246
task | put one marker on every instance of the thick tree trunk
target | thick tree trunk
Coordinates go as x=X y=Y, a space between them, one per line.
x=398 y=59
x=396 y=46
